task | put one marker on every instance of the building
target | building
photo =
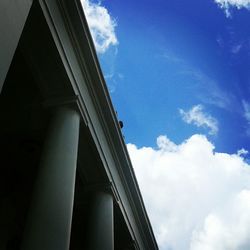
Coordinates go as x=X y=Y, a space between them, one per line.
x=66 y=178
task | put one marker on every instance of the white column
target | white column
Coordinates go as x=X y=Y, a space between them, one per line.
x=101 y=224
x=49 y=219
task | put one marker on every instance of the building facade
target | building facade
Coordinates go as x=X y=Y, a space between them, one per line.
x=66 y=178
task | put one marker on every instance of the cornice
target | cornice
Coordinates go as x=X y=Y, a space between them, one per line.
x=83 y=48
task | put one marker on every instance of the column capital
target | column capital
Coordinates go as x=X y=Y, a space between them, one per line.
x=106 y=187
x=67 y=101
x=72 y=102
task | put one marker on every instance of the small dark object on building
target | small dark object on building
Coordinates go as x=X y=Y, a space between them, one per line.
x=121 y=124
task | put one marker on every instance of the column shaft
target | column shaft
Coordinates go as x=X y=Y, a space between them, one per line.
x=49 y=220
x=101 y=229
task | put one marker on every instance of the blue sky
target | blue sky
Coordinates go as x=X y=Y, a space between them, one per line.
x=178 y=74
x=174 y=55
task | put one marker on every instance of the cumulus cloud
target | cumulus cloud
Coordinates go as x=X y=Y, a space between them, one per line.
x=226 y=232
x=199 y=118
x=227 y=4
x=196 y=198
x=101 y=24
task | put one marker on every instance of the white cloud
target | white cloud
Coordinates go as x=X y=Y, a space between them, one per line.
x=197 y=117
x=101 y=24
x=227 y=4
x=209 y=90
x=242 y=151
x=226 y=232
x=172 y=58
x=196 y=198
x=165 y=144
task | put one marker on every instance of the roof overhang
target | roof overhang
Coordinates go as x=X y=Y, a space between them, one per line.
x=71 y=35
